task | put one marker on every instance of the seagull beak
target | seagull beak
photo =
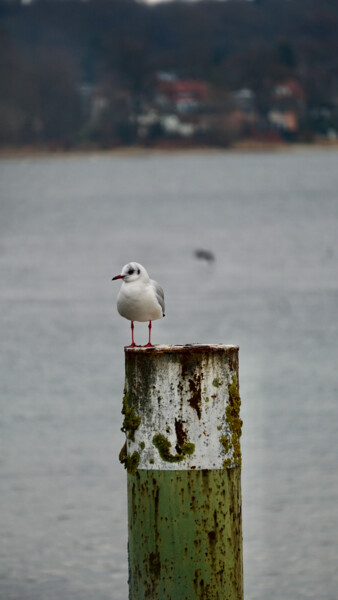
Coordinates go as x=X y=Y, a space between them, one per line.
x=118 y=277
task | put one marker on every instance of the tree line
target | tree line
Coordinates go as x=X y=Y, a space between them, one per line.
x=51 y=50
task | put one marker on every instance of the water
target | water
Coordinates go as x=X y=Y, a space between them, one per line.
x=67 y=226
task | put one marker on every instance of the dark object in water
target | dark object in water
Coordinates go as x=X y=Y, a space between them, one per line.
x=204 y=255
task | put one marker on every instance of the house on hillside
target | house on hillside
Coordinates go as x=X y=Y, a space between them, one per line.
x=287 y=106
x=181 y=95
x=245 y=100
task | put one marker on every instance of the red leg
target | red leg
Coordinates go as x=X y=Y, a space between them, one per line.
x=132 y=345
x=149 y=345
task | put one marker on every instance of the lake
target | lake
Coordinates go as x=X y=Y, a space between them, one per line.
x=67 y=226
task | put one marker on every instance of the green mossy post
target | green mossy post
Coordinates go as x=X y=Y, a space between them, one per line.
x=183 y=461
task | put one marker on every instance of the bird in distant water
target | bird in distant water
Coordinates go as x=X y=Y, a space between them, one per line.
x=202 y=254
x=140 y=298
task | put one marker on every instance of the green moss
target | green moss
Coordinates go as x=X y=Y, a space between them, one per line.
x=131 y=421
x=225 y=443
x=123 y=453
x=234 y=421
x=188 y=448
x=217 y=382
x=207 y=399
x=163 y=446
x=231 y=442
x=151 y=460
x=234 y=393
x=130 y=463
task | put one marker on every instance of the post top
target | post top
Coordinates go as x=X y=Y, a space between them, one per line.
x=181 y=348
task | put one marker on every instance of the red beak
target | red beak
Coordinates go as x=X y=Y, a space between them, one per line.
x=118 y=277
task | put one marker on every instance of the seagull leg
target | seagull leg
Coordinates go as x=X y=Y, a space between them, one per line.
x=149 y=345
x=132 y=345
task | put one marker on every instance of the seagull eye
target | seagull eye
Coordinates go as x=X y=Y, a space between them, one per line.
x=130 y=271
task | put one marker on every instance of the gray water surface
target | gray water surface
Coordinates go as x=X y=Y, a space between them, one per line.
x=67 y=225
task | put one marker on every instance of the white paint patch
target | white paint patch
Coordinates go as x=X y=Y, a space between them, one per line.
x=193 y=402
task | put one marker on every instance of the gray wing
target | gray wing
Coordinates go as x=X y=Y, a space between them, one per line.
x=159 y=295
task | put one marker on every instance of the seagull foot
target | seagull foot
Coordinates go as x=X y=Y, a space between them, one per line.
x=149 y=345
x=133 y=346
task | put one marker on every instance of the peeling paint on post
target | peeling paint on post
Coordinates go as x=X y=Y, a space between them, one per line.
x=184 y=462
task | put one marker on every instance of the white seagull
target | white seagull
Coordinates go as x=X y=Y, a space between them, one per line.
x=140 y=298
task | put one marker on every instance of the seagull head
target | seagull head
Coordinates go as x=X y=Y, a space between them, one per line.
x=131 y=272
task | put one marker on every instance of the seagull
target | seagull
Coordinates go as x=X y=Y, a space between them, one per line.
x=140 y=298
x=204 y=255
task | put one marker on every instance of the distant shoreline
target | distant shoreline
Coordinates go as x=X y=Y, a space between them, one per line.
x=247 y=146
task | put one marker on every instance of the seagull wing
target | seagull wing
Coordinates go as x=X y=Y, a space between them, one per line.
x=159 y=294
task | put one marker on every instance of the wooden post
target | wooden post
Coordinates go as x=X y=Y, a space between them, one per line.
x=183 y=457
